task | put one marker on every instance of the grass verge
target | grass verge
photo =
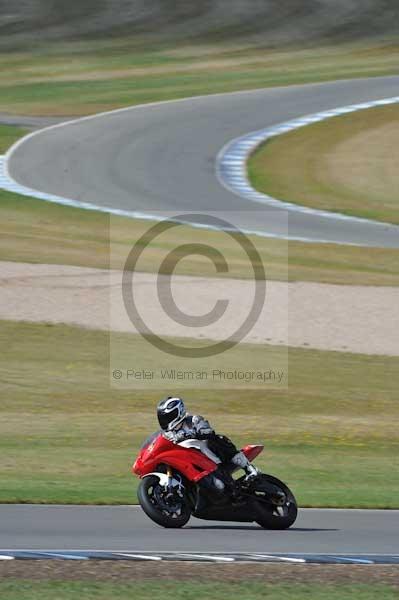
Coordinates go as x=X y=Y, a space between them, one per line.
x=346 y=164
x=35 y=231
x=84 y=77
x=266 y=574
x=10 y=134
x=246 y=590
x=67 y=437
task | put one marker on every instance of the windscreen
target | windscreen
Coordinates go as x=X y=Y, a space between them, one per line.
x=150 y=439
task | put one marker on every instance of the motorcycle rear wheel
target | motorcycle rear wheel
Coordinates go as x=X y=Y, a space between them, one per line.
x=146 y=494
x=276 y=517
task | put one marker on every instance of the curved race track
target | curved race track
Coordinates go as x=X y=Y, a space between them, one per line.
x=162 y=157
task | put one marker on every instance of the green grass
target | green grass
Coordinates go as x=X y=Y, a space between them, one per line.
x=74 y=78
x=346 y=164
x=32 y=230
x=66 y=436
x=8 y=135
x=247 y=590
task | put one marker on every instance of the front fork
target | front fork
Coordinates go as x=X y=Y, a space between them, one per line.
x=193 y=495
x=181 y=491
x=169 y=473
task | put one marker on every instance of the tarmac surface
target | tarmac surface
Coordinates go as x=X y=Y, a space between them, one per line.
x=161 y=158
x=127 y=528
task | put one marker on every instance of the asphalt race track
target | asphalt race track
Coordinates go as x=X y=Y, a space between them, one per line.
x=126 y=528
x=162 y=157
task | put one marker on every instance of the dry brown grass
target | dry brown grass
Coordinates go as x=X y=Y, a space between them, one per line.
x=346 y=164
x=36 y=231
x=127 y=571
x=85 y=78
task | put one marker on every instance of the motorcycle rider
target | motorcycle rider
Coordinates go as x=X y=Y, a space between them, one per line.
x=178 y=425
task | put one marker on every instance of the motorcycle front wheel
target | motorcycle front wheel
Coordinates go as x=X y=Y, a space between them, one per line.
x=167 y=510
x=281 y=511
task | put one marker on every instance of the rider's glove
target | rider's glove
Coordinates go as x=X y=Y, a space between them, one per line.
x=179 y=436
x=175 y=436
x=202 y=428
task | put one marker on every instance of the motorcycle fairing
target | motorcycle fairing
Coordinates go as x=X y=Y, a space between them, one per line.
x=202 y=446
x=190 y=462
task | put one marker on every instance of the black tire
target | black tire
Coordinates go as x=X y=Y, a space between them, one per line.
x=270 y=517
x=156 y=514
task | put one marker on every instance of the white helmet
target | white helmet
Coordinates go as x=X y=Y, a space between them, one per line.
x=171 y=412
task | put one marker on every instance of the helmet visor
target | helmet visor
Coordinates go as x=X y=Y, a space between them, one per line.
x=165 y=418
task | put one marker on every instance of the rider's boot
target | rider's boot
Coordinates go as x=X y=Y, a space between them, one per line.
x=240 y=460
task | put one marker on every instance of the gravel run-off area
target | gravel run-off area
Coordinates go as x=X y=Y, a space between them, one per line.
x=361 y=319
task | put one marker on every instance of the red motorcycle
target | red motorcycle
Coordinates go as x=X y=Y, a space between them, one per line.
x=172 y=487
